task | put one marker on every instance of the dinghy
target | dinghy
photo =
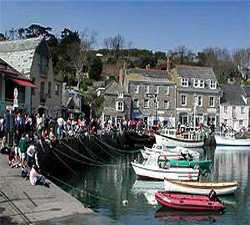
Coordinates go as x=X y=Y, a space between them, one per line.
x=190 y=202
x=177 y=153
x=200 y=188
x=150 y=169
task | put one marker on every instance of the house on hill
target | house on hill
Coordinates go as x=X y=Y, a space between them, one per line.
x=153 y=95
x=32 y=58
x=197 y=95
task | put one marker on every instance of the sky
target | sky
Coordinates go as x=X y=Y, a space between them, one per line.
x=154 y=25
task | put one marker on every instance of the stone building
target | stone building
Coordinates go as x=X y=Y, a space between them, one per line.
x=197 y=95
x=32 y=58
x=117 y=102
x=153 y=95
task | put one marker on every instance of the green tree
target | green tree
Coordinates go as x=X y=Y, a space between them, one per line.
x=96 y=69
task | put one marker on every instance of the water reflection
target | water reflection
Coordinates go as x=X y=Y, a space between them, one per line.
x=111 y=185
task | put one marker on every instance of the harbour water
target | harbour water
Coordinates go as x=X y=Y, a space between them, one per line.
x=114 y=191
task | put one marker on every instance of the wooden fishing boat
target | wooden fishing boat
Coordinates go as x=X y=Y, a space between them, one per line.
x=202 y=164
x=177 y=153
x=178 y=141
x=230 y=140
x=150 y=169
x=168 y=215
x=190 y=202
x=201 y=188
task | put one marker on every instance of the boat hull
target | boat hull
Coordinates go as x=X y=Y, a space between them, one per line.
x=155 y=173
x=228 y=141
x=173 y=142
x=225 y=188
x=188 y=202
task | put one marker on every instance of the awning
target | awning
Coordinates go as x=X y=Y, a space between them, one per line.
x=24 y=83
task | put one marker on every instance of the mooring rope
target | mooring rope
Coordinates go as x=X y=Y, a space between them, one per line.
x=91 y=152
x=117 y=149
x=65 y=163
x=83 y=156
x=87 y=163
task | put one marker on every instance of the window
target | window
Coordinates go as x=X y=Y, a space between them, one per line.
x=43 y=64
x=49 y=90
x=119 y=105
x=225 y=109
x=56 y=89
x=183 y=100
x=212 y=84
x=157 y=90
x=167 y=91
x=146 y=103
x=242 y=110
x=136 y=103
x=225 y=122
x=42 y=94
x=199 y=101
x=211 y=101
x=166 y=104
x=196 y=83
x=147 y=89
x=241 y=122
x=136 y=89
x=201 y=83
x=184 y=82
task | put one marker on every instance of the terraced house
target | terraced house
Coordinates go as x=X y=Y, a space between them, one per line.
x=152 y=94
x=31 y=57
x=197 y=95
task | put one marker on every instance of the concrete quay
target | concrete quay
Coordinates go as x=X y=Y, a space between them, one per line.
x=22 y=203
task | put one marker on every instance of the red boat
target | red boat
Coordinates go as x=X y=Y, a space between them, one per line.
x=189 y=202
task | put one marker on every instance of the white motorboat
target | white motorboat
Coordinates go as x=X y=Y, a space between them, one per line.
x=230 y=140
x=177 y=153
x=200 y=188
x=182 y=141
x=151 y=169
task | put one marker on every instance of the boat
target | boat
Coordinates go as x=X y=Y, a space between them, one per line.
x=169 y=215
x=201 y=188
x=190 y=202
x=202 y=164
x=231 y=140
x=177 y=153
x=151 y=169
x=178 y=141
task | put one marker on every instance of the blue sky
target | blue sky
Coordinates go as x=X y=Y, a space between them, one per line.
x=155 y=25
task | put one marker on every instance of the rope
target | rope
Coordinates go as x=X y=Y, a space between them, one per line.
x=91 y=153
x=104 y=150
x=117 y=149
x=87 y=163
x=65 y=164
x=83 y=156
x=67 y=184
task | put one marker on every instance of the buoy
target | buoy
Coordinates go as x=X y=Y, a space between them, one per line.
x=125 y=202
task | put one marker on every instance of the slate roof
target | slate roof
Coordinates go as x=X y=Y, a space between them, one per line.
x=19 y=53
x=232 y=94
x=114 y=88
x=10 y=70
x=195 y=72
x=149 y=73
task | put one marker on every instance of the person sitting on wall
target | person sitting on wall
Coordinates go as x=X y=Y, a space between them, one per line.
x=36 y=178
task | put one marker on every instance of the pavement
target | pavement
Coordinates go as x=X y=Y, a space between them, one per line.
x=22 y=203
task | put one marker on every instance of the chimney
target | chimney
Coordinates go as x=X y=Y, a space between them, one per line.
x=168 y=64
x=121 y=76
